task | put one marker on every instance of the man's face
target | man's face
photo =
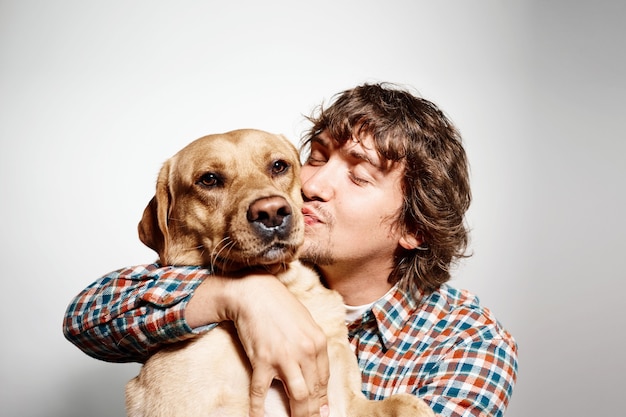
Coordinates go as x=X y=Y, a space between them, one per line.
x=352 y=203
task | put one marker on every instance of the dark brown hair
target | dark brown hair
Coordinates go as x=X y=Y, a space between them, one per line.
x=408 y=129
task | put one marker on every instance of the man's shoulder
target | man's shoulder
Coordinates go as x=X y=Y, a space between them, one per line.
x=459 y=314
x=453 y=300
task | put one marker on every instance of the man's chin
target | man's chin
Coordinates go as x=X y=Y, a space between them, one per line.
x=316 y=254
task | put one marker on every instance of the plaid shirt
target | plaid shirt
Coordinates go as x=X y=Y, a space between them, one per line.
x=443 y=347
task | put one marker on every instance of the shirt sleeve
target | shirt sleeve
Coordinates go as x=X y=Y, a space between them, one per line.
x=476 y=378
x=127 y=314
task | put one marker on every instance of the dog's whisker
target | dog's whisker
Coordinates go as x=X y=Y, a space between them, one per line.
x=221 y=246
x=218 y=251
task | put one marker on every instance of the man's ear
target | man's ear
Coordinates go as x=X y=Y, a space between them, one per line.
x=411 y=241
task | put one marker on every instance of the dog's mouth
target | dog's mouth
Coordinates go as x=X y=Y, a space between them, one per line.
x=277 y=253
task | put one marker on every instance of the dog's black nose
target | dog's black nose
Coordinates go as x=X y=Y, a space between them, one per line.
x=269 y=212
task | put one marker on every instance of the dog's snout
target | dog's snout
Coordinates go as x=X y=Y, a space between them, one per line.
x=270 y=212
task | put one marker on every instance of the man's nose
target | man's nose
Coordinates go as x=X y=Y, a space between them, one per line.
x=318 y=182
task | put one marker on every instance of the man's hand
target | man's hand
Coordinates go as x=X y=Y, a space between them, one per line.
x=278 y=334
x=282 y=341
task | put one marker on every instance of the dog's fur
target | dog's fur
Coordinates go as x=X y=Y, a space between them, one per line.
x=230 y=202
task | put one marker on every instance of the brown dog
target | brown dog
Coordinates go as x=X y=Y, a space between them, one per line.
x=230 y=202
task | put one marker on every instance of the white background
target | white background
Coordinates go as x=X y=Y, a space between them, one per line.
x=95 y=95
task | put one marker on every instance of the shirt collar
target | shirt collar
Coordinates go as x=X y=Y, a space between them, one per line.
x=390 y=312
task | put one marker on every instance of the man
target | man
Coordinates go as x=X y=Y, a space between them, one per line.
x=386 y=188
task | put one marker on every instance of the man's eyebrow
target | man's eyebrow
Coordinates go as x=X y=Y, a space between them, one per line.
x=319 y=140
x=353 y=153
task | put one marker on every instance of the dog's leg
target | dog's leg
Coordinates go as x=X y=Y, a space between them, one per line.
x=209 y=377
x=134 y=399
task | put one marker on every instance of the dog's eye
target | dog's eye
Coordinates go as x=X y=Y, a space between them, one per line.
x=279 y=167
x=209 y=179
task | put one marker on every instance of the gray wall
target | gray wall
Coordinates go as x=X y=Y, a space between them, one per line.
x=94 y=96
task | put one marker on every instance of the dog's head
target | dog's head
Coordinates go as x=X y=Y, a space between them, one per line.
x=227 y=201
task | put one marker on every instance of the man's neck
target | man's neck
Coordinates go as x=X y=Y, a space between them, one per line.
x=357 y=286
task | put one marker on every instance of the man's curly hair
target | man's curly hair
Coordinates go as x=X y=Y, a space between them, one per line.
x=414 y=132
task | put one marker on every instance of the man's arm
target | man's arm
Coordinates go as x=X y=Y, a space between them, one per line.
x=127 y=314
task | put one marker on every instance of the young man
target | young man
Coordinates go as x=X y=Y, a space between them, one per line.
x=386 y=188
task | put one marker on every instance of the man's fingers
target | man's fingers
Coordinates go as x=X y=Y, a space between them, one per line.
x=315 y=373
x=323 y=375
x=301 y=402
x=307 y=385
x=259 y=385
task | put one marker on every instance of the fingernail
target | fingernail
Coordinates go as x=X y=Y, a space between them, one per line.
x=324 y=410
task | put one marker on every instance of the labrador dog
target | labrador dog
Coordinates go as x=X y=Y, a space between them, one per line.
x=230 y=202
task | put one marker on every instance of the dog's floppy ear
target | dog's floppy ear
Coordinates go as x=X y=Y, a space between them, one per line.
x=153 y=225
